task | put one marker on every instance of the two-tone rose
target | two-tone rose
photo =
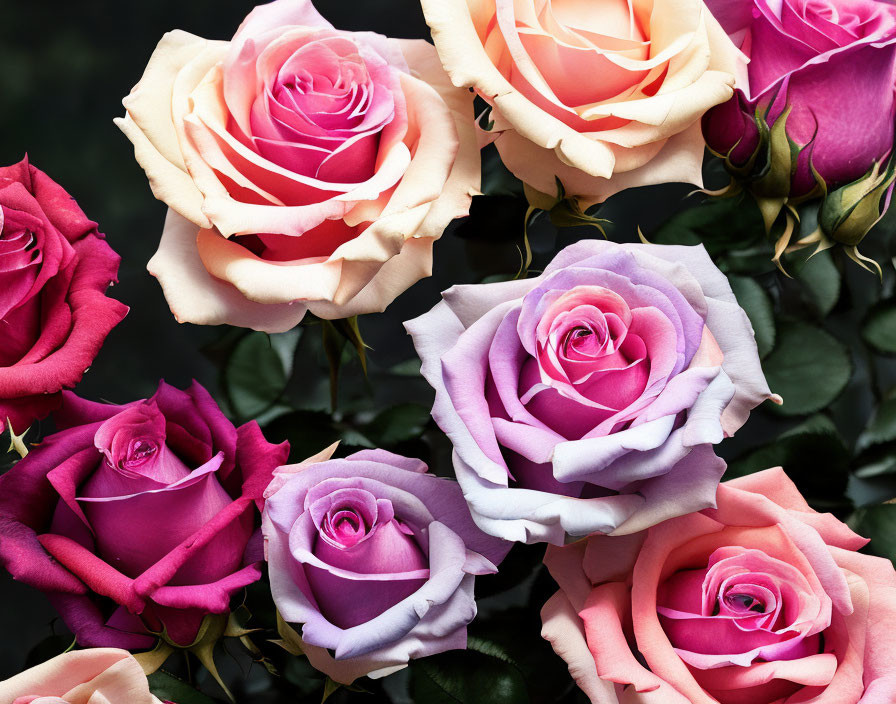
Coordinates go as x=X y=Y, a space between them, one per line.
x=588 y=399
x=305 y=168
x=601 y=96
x=758 y=601
x=374 y=559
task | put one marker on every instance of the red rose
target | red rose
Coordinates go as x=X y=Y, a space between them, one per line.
x=54 y=315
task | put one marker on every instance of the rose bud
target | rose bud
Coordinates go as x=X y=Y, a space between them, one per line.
x=789 y=133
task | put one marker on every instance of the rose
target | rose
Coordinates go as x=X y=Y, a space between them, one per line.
x=601 y=96
x=97 y=675
x=139 y=518
x=375 y=557
x=54 y=316
x=588 y=399
x=302 y=164
x=761 y=600
x=803 y=58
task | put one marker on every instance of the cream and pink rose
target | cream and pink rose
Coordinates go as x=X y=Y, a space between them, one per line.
x=96 y=676
x=602 y=95
x=759 y=601
x=305 y=168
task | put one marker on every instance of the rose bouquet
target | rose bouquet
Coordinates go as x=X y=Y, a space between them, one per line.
x=438 y=382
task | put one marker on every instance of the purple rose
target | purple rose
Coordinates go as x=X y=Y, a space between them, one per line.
x=139 y=518
x=376 y=558
x=588 y=399
x=832 y=65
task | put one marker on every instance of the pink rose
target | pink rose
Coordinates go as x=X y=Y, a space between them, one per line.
x=55 y=267
x=759 y=601
x=306 y=168
x=97 y=676
x=603 y=95
x=139 y=518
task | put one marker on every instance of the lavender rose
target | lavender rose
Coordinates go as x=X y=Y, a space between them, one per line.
x=375 y=557
x=55 y=267
x=588 y=399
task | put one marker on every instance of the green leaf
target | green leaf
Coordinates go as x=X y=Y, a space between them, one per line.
x=880 y=467
x=801 y=451
x=718 y=224
x=809 y=368
x=882 y=427
x=257 y=372
x=822 y=281
x=410 y=367
x=879 y=329
x=879 y=524
x=758 y=307
x=169 y=688
x=483 y=674
x=309 y=432
x=398 y=424
x=516 y=632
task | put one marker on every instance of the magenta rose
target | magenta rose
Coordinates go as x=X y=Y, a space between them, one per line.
x=376 y=558
x=55 y=268
x=139 y=518
x=588 y=399
x=831 y=63
x=758 y=601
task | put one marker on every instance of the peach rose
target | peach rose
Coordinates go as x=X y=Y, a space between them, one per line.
x=758 y=601
x=601 y=94
x=305 y=168
x=95 y=676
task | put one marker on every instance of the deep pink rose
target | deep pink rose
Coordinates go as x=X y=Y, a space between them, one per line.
x=138 y=518
x=54 y=315
x=831 y=62
x=759 y=601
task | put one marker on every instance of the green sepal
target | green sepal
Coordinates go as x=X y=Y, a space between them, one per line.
x=564 y=211
x=849 y=212
x=782 y=155
x=214 y=628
